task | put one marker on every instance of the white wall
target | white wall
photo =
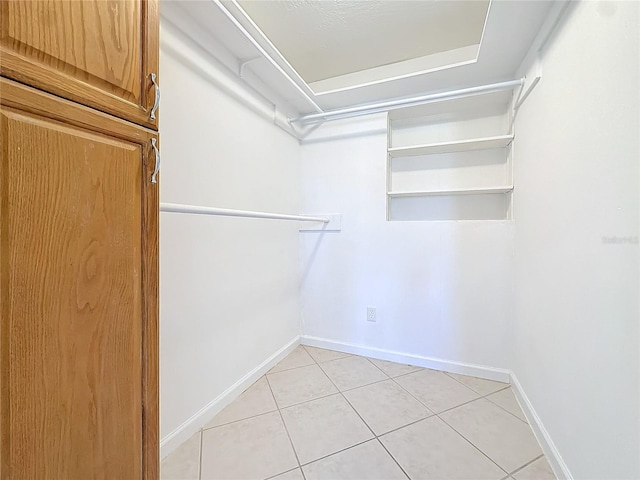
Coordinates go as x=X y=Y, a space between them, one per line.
x=441 y=289
x=575 y=345
x=229 y=286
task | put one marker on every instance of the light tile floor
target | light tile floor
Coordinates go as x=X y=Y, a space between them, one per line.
x=325 y=415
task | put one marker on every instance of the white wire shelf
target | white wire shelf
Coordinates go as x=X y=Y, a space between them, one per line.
x=484 y=143
x=457 y=191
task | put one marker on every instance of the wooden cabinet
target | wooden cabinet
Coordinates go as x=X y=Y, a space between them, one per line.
x=94 y=52
x=78 y=240
x=78 y=292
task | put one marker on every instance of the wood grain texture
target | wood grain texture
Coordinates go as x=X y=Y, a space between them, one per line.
x=79 y=294
x=95 y=52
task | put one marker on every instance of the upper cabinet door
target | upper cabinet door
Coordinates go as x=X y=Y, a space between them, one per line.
x=98 y=53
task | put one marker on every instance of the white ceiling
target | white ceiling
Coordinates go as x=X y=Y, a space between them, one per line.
x=325 y=39
x=509 y=30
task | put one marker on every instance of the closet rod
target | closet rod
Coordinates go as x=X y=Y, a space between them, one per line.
x=406 y=102
x=226 y=212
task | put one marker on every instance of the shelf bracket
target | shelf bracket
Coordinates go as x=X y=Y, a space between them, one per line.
x=528 y=92
x=244 y=63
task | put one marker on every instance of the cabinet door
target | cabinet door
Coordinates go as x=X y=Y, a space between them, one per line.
x=95 y=52
x=78 y=292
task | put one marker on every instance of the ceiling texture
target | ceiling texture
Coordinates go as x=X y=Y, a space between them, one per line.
x=313 y=55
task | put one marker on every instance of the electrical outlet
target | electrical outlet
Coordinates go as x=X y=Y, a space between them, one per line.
x=371 y=314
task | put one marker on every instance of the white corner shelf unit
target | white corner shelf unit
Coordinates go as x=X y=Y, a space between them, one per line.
x=451 y=160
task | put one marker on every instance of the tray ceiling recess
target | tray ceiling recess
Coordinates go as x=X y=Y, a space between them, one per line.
x=341 y=45
x=314 y=56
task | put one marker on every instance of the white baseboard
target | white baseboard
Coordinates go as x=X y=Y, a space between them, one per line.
x=544 y=439
x=203 y=416
x=482 y=371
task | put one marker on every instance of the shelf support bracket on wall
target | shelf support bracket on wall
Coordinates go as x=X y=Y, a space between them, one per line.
x=527 y=92
x=244 y=63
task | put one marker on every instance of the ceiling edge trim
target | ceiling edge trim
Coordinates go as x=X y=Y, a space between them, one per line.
x=484 y=28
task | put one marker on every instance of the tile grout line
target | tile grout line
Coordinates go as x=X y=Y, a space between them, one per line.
x=201 y=432
x=407 y=425
x=374 y=433
x=500 y=406
x=378 y=436
x=389 y=377
x=367 y=385
x=285 y=427
x=293 y=404
x=375 y=436
x=270 y=372
x=462 y=404
x=335 y=453
x=507 y=386
x=442 y=420
x=288 y=471
x=412 y=395
x=383 y=372
x=204 y=429
x=311 y=400
x=473 y=445
x=354 y=410
x=348 y=403
x=304 y=347
x=437 y=414
x=392 y=457
x=483 y=397
x=337 y=393
x=326 y=361
x=353 y=388
x=458 y=406
x=519 y=469
x=285 y=472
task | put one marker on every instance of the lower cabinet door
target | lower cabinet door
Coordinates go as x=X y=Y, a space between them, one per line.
x=78 y=292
